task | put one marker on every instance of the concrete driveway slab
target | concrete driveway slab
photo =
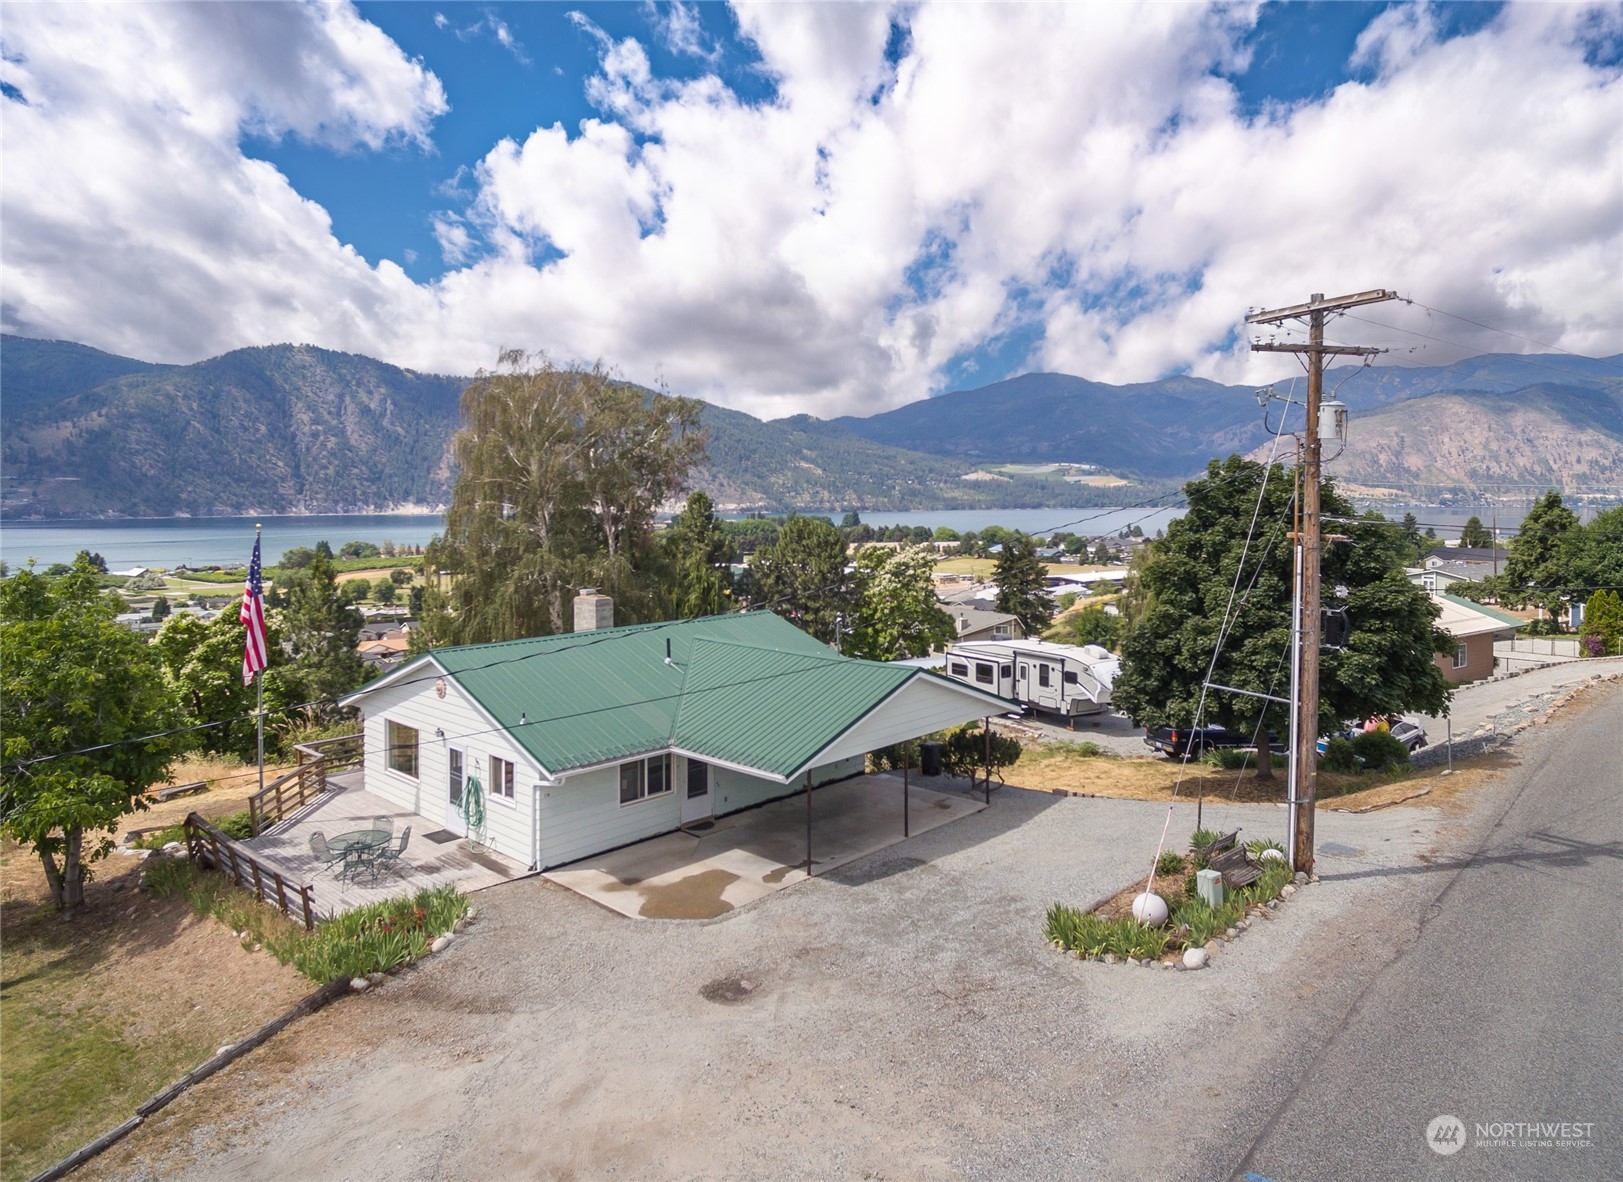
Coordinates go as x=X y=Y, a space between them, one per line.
x=749 y=855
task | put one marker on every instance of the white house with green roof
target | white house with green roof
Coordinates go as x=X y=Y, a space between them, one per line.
x=587 y=741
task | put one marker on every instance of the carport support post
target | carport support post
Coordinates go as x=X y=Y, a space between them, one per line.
x=987 y=723
x=907 y=764
x=808 y=824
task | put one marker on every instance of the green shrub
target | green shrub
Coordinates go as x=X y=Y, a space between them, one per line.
x=169 y=876
x=1169 y=863
x=236 y=826
x=1200 y=839
x=966 y=752
x=1379 y=750
x=1230 y=759
x=1339 y=755
x=159 y=838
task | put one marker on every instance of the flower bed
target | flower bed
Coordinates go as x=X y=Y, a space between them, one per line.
x=1109 y=932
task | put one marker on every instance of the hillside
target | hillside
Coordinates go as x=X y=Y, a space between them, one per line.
x=1544 y=436
x=291 y=429
x=287 y=429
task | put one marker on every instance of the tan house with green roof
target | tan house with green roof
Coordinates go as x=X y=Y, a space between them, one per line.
x=584 y=742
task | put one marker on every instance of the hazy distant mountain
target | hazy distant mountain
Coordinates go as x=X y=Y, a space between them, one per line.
x=298 y=429
x=290 y=428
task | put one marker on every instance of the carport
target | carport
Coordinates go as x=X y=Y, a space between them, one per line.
x=743 y=856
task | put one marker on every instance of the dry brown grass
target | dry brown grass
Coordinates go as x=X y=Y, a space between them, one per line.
x=1054 y=767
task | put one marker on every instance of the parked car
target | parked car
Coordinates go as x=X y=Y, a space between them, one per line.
x=1410 y=734
x=1200 y=739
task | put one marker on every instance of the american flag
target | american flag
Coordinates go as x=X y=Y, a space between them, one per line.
x=253 y=618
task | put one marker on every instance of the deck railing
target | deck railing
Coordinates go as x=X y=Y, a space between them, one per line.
x=304 y=783
x=207 y=846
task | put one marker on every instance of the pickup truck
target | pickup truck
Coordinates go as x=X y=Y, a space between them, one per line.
x=1198 y=739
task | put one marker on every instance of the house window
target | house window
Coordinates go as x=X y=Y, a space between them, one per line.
x=643 y=778
x=959 y=669
x=1429 y=582
x=402 y=744
x=1462 y=656
x=501 y=777
x=1001 y=630
x=984 y=673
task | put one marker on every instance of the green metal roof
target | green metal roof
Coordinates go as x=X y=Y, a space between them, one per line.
x=749 y=689
x=1511 y=621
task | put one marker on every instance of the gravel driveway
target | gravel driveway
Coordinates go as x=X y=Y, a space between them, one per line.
x=899 y=1018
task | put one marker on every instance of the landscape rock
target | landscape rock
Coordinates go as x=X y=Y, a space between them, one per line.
x=375 y=978
x=1194 y=958
x=1213 y=948
x=1109 y=958
x=1286 y=891
x=173 y=847
x=440 y=944
x=1301 y=878
x=1232 y=932
x=359 y=984
x=223 y=1048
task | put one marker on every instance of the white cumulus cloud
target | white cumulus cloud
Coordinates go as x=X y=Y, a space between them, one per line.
x=1081 y=178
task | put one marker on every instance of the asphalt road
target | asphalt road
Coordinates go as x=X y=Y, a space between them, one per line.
x=1505 y=1011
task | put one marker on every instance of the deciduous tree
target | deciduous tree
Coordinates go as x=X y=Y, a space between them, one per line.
x=560 y=471
x=322 y=632
x=1183 y=594
x=77 y=687
x=896 y=613
x=203 y=664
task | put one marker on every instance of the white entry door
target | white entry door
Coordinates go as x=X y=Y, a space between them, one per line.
x=696 y=796
x=455 y=781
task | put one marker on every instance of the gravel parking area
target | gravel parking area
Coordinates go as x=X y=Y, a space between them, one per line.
x=899 y=1018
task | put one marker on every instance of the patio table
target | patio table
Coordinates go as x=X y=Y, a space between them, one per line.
x=360 y=848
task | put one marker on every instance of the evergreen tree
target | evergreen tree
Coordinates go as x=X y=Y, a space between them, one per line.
x=801 y=576
x=1413 y=539
x=1183 y=591
x=1535 y=570
x=1474 y=535
x=698 y=553
x=76 y=686
x=559 y=474
x=1022 y=588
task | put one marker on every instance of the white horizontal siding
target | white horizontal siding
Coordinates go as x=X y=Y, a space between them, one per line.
x=509 y=826
x=583 y=816
x=923 y=705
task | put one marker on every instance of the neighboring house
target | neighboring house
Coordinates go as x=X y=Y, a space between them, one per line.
x=595 y=739
x=1474 y=629
x=386 y=651
x=967 y=596
x=1441 y=576
x=973 y=623
x=1468 y=555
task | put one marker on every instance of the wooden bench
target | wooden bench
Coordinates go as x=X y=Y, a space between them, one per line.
x=1236 y=867
x=175 y=790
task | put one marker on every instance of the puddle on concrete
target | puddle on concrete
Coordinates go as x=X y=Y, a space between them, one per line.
x=777 y=875
x=698 y=896
x=728 y=990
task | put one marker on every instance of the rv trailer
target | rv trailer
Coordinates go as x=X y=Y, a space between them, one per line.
x=1064 y=679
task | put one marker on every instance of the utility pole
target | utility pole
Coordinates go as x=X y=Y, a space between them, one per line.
x=1304 y=752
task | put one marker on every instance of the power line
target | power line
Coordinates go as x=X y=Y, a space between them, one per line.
x=1506 y=332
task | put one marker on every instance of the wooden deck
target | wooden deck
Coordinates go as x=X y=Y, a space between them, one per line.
x=286 y=846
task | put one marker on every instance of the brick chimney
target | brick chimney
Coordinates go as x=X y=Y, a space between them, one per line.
x=593 y=611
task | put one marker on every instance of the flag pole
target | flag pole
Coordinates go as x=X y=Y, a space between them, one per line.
x=259 y=691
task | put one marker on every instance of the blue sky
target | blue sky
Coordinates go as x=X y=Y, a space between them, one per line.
x=800 y=208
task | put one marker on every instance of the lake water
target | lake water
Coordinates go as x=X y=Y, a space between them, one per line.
x=228 y=541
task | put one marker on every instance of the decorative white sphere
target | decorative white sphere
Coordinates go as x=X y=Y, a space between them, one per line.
x=1272 y=855
x=1150 y=909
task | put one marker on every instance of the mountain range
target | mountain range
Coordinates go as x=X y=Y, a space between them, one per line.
x=286 y=428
